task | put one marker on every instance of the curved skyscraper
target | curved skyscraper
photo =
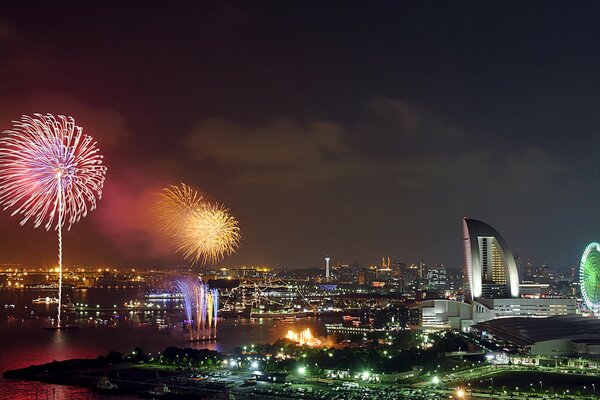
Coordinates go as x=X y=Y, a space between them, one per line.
x=491 y=267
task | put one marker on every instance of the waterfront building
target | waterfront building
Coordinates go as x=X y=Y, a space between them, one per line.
x=534 y=290
x=554 y=336
x=491 y=267
x=449 y=314
x=445 y=314
x=486 y=309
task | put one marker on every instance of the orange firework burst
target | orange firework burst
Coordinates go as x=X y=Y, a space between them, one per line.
x=174 y=207
x=209 y=234
x=200 y=231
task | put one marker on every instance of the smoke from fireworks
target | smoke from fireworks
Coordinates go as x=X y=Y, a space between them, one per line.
x=50 y=172
x=201 y=232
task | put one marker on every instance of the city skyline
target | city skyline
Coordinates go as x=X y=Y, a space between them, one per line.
x=314 y=149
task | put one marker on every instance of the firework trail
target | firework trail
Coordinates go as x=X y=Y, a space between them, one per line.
x=201 y=232
x=186 y=290
x=201 y=306
x=50 y=173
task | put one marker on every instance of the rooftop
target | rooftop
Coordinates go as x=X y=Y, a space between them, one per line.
x=527 y=331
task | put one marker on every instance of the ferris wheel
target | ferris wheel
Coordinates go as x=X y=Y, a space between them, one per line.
x=589 y=277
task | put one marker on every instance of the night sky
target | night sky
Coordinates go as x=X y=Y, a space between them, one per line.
x=350 y=129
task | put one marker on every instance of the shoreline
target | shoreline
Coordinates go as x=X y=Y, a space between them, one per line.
x=131 y=377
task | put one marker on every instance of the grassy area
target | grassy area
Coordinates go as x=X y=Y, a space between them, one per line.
x=551 y=382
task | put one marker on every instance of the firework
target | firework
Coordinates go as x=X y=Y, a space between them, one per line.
x=201 y=232
x=174 y=207
x=201 y=304
x=50 y=173
x=304 y=337
x=208 y=235
x=186 y=290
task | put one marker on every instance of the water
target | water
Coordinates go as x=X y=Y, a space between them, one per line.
x=24 y=342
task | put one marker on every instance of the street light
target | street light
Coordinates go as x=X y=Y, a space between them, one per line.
x=594 y=386
x=460 y=393
x=435 y=380
x=541 y=386
x=302 y=370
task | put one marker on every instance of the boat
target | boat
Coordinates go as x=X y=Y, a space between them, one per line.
x=203 y=339
x=159 y=390
x=235 y=312
x=47 y=286
x=274 y=314
x=163 y=296
x=45 y=300
x=104 y=385
x=60 y=328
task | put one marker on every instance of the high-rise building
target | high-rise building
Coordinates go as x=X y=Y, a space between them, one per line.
x=491 y=267
x=436 y=277
x=398 y=269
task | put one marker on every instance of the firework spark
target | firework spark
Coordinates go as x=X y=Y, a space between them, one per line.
x=51 y=173
x=303 y=337
x=199 y=297
x=174 y=207
x=209 y=234
x=201 y=232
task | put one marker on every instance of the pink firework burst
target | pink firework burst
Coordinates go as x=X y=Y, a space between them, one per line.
x=50 y=171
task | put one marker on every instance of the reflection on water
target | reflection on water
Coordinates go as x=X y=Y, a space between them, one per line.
x=24 y=342
x=26 y=390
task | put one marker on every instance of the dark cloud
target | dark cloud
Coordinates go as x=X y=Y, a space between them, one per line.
x=412 y=123
x=105 y=125
x=287 y=152
x=280 y=151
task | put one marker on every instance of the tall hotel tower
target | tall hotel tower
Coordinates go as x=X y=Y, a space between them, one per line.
x=491 y=267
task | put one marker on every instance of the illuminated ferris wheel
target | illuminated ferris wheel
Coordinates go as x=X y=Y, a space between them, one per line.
x=589 y=277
